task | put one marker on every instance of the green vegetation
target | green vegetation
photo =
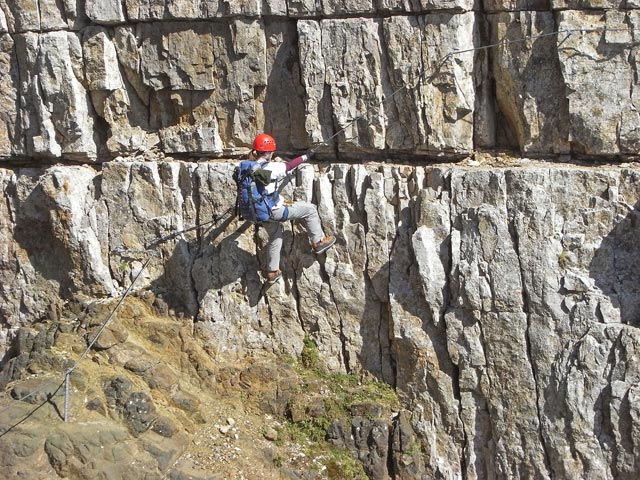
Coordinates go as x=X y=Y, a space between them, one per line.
x=323 y=398
x=563 y=261
x=342 y=465
x=309 y=356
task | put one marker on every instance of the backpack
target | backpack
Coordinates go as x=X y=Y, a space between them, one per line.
x=253 y=202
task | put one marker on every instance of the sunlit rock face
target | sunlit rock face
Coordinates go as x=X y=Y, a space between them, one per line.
x=92 y=80
x=497 y=294
x=502 y=303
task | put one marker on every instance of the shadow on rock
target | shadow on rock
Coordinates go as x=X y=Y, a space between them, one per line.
x=212 y=261
x=375 y=354
x=615 y=267
x=395 y=303
x=36 y=233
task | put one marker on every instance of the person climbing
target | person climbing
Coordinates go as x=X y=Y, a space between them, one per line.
x=264 y=147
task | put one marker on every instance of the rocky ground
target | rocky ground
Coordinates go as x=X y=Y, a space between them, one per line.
x=149 y=402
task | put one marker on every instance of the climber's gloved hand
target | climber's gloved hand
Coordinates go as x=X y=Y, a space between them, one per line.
x=310 y=154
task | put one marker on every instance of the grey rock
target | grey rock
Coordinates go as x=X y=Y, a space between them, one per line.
x=599 y=127
x=502 y=303
x=139 y=413
x=11 y=142
x=406 y=448
x=43 y=391
x=185 y=401
x=164 y=426
x=60 y=120
x=4 y=28
x=22 y=15
x=526 y=79
x=103 y=451
x=271 y=434
x=55 y=14
x=161 y=377
x=205 y=76
x=109 y=337
x=429 y=76
x=105 y=12
x=182 y=67
x=368 y=439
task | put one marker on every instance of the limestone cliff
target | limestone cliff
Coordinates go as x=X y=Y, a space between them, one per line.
x=498 y=297
x=88 y=80
x=502 y=303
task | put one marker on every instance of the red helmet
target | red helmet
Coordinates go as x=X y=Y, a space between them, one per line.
x=264 y=143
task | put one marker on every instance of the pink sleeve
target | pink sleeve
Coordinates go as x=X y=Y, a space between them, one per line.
x=291 y=164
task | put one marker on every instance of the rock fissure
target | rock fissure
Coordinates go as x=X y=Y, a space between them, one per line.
x=604 y=429
x=532 y=363
x=296 y=297
x=342 y=336
x=39 y=7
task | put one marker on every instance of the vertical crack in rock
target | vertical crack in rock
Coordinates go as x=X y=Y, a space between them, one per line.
x=343 y=338
x=63 y=12
x=604 y=430
x=269 y=312
x=130 y=192
x=39 y=14
x=186 y=191
x=334 y=126
x=526 y=308
x=420 y=84
x=448 y=305
x=296 y=297
x=19 y=132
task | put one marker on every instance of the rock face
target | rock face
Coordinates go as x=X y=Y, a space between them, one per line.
x=502 y=303
x=92 y=80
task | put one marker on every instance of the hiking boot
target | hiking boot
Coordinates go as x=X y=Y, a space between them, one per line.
x=323 y=244
x=273 y=277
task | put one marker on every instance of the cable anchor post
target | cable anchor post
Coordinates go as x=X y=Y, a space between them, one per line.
x=66 y=395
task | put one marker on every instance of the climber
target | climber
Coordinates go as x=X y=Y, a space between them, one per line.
x=264 y=147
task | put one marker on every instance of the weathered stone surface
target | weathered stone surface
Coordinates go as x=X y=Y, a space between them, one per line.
x=107 y=451
x=109 y=337
x=434 y=109
x=425 y=5
x=54 y=13
x=406 y=448
x=101 y=62
x=283 y=98
x=58 y=120
x=186 y=54
x=517 y=5
x=62 y=207
x=502 y=303
x=105 y=12
x=527 y=75
x=4 y=28
x=590 y=4
x=205 y=76
x=368 y=439
x=344 y=62
x=603 y=88
x=11 y=143
x=22 y=15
